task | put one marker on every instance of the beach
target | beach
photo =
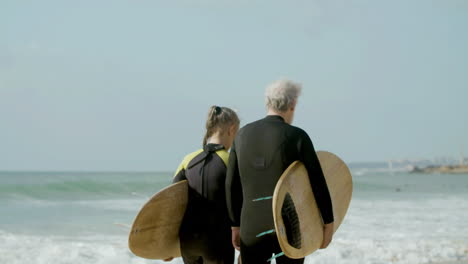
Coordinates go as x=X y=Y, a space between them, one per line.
x=84 y=217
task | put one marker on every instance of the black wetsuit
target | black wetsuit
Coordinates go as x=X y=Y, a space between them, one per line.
x=205 y=233
x=261 y=152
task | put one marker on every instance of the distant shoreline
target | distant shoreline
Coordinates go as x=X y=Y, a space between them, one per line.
x=452 y=169
x=83 y=171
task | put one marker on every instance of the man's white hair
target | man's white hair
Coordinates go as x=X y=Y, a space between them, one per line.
x=282 y=94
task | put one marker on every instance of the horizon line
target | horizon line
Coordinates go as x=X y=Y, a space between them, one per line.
x=126 y=170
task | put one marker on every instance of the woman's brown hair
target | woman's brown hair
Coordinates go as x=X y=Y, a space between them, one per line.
x=219 y=119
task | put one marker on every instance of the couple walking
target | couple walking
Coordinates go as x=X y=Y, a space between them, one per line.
x=224 y=210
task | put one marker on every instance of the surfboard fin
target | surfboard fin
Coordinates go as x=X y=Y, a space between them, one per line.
x=291 y=222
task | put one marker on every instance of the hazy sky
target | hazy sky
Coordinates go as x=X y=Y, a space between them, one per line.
x=126 y=85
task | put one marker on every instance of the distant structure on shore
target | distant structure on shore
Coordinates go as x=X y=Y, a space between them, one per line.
x=437 y=165
x=441 y=169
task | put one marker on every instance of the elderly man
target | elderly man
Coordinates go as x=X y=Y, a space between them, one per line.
x=261 y=152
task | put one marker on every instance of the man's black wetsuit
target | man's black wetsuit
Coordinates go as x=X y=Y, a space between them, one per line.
x=261 y=152
x=205 y=233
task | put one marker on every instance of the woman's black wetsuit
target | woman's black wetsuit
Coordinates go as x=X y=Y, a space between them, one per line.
x=205 y=233
x=261 y=152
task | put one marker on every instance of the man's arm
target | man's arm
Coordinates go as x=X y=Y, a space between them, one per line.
x=319 y=187
x=317 y=179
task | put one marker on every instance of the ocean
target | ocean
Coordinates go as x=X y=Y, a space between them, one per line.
x=84 y=217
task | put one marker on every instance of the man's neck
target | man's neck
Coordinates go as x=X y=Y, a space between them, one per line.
x=283 y=115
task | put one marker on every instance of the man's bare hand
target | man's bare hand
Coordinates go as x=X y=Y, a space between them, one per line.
x=236 y=237
x=327 y=235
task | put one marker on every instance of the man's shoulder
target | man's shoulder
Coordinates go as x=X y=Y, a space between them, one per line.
x=250 y=126
x=299 y=133
x=297 y=130
x=288 y=127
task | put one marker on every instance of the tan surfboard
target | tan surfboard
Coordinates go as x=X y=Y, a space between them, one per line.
x=155 y=230
x=298 y=223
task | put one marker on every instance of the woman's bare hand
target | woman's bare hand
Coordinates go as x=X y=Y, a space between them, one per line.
x=236 y=237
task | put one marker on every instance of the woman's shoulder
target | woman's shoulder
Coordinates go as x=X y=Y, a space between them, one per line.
x=191 y=155
x=187 y=158
x=224 y=155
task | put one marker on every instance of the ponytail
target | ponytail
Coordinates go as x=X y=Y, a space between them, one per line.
x=219 y=119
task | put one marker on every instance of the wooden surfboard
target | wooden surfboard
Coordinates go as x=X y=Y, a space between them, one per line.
x=155 y=230
x=298 y=223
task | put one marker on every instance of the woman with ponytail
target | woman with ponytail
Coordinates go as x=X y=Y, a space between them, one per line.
x=205 y=233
